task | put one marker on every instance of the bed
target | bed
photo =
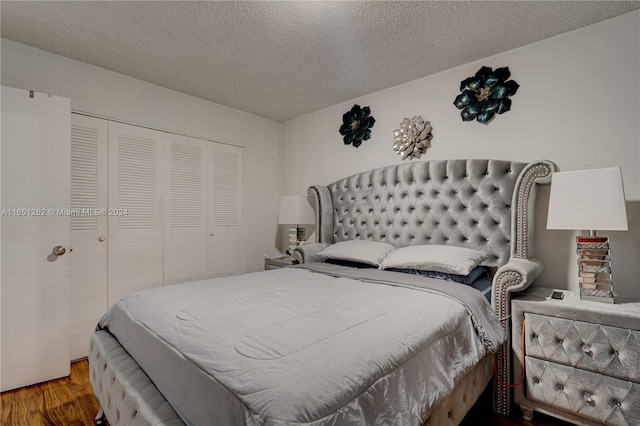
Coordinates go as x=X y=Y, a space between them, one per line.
x=342 y=338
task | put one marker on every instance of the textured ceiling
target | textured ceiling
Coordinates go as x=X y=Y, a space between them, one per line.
x=284 y=59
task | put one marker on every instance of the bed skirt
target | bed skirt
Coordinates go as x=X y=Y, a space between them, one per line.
x=128 y=397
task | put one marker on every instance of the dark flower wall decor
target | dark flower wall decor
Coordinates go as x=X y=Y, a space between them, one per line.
x=356 y=125
x=486 y=94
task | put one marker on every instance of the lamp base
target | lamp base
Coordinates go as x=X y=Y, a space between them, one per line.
x=296 y=237
x=594 y=269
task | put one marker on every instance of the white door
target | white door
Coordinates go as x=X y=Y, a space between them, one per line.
x=135 y=185
x=88 y=229
x=185 y=224
x=35 y=282
x=225 y=211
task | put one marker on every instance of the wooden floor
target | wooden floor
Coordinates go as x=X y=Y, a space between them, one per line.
x=70 y=402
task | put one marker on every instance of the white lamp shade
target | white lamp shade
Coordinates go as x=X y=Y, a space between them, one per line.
x=590 y=199
x=295 y=210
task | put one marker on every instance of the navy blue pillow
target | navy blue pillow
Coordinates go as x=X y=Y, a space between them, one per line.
x=350 y=263
x=476 y=273
x=483 y=285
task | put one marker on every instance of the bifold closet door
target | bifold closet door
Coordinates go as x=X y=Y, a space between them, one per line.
x=88 y=229
x=203 y=229
x=225 y=213
x=185 y=224
x=135 y=210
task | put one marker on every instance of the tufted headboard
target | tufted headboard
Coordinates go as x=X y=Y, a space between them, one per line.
x=481 y=204
x=457 y=202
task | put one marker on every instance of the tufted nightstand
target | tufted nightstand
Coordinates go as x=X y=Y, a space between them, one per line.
x=582 y=359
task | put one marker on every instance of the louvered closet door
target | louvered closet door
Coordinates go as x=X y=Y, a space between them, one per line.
x=185 y=225
x=225 y=212
x=136 y=200
x=88 y=229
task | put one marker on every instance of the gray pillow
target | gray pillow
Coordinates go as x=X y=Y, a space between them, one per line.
x=447 y=259
x=363 y=251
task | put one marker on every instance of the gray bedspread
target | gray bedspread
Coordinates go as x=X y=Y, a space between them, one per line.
x=486 y=323
x=315 y=344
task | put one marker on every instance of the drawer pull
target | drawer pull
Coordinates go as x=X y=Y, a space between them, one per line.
x=587 y=350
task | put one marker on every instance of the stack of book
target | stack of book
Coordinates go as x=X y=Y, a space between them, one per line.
x=594 y=269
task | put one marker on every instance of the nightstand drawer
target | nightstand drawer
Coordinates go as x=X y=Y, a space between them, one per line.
x=268 y=267
x=591 y=395
x=280 y=262
x=599 y=348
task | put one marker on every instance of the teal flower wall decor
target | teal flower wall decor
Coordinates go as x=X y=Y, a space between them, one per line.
x=356 y=125
x=486 y=94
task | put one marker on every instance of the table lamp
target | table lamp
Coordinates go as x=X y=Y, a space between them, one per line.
x=295 y=210
x=590 y=200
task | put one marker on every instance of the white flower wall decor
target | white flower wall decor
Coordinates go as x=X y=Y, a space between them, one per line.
x=413 y=138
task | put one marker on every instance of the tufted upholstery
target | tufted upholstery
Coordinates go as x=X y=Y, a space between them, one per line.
x=127 y=396
x=600 y=348
x=606 y=400
x=589 y=369
x=486 y=205
x=452 y=410
x=455 y=202
x=582 y=359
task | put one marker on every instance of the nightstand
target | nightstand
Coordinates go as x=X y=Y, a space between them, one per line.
x=582 y=358
x=279 y=263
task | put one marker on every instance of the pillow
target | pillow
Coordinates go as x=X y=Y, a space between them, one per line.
x=351 y=264
x=363 y=251
x=483 y=285
x=476 y=273
x=447 y=259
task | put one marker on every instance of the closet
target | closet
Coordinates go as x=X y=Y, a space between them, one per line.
x=88 y=256
x=170 y=210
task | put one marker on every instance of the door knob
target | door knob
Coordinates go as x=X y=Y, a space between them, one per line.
x=58 y=251
x=101 y=238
